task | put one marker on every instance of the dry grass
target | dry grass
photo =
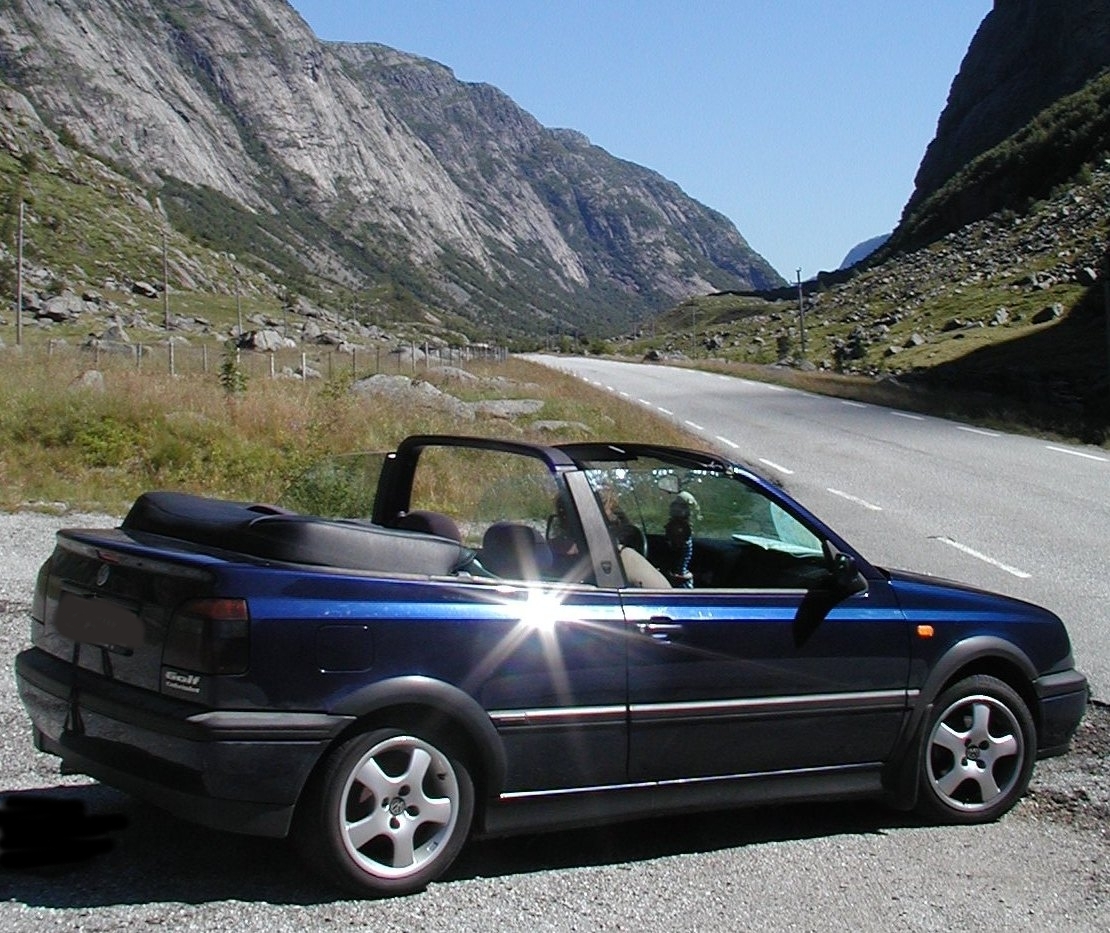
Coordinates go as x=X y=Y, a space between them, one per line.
x=68 y=445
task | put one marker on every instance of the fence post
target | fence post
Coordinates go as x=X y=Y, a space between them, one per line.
x=19 y=282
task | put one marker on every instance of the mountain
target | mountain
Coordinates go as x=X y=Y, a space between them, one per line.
x=1026 y=57
x=362 y=170
x=990 y=298
x=862 y=250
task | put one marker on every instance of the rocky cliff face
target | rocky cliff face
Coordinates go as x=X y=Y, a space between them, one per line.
x=369 y=160
x=1026 y=55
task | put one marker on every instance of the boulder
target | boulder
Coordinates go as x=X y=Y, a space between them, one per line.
x=1052 y=313
x=265 y=341
x=144 y=290
x=91 y=380
x=62 y=308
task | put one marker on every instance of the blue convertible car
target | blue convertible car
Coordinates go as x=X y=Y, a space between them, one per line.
x=477 y=637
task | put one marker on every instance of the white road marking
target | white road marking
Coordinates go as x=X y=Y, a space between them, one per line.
x=852 y=404
x=696 y=427
x=971 y=552
x=964 y=427
x=727 y=442
x=665 y=411
x=907 y=415
x=1078 y=453
x=856 y=500
x=643 y=401
x=775 y=466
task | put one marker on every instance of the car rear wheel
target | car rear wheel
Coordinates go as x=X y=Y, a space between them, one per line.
x=388 y=813
x=979 y=751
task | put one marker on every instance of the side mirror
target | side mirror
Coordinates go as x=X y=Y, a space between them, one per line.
x=845 y=573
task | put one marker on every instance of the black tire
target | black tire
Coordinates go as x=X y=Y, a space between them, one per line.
x=978 y=752
x=387 y=813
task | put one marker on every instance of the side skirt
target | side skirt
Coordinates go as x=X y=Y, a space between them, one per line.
x=586 y=806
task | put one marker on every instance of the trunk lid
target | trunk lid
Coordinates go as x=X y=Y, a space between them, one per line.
x=106 y=604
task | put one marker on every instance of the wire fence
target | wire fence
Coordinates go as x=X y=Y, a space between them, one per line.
x=305 y=362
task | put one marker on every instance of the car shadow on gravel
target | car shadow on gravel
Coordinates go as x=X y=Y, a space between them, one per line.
x=680 y=834
x=140 y=854
x=121 y=851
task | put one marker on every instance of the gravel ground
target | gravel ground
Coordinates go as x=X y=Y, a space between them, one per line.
x=792 y=868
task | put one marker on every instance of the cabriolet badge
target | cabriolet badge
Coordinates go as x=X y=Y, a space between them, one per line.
x=176 y=680
x=102 y=574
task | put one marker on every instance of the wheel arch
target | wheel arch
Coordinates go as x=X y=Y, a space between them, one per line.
x=980 y=654
x=426 y=704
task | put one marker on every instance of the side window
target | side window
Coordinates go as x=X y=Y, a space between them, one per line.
x=509 y=509
x=749 y=541
x=706 y=528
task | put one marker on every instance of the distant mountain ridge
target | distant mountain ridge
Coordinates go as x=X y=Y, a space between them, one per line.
x=862 y=250
x=365 y=167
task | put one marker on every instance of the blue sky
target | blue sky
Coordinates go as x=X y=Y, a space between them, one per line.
x=802 y=121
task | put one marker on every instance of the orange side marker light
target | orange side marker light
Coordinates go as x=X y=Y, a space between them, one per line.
x=925 y=631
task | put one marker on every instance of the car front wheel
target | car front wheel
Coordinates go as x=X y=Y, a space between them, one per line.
x=387 y=814
x=979 y=751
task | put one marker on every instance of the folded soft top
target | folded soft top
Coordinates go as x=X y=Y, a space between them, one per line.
x=265 y=531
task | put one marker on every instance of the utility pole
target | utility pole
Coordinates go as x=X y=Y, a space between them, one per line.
x=1106 y=309
x=165 y=281
x=801 y=315
x=239 y=303
x=19 y=282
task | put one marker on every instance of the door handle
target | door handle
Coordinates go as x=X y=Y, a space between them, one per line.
x=660 y=627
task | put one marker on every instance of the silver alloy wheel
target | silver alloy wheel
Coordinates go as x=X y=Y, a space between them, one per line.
x=398 y=807
x=975 y=754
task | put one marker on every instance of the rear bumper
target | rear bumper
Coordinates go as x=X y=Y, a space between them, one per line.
x=240 y=771
x=1063 y=701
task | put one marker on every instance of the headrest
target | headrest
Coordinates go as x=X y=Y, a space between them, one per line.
x=516 y=551
x=430 y=523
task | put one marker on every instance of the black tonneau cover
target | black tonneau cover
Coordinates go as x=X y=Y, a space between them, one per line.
x=265 y=531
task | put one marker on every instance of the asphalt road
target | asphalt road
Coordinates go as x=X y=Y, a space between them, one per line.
x=1014 y=514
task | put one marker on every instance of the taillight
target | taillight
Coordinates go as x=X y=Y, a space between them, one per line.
x=209 y=636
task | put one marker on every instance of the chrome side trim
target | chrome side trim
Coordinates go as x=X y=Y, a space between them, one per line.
x=559 y=716
x=763 y=706
x=707 y=709
x=688 y=782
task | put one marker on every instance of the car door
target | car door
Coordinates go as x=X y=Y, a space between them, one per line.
x=540 y=630
x=763 y=663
